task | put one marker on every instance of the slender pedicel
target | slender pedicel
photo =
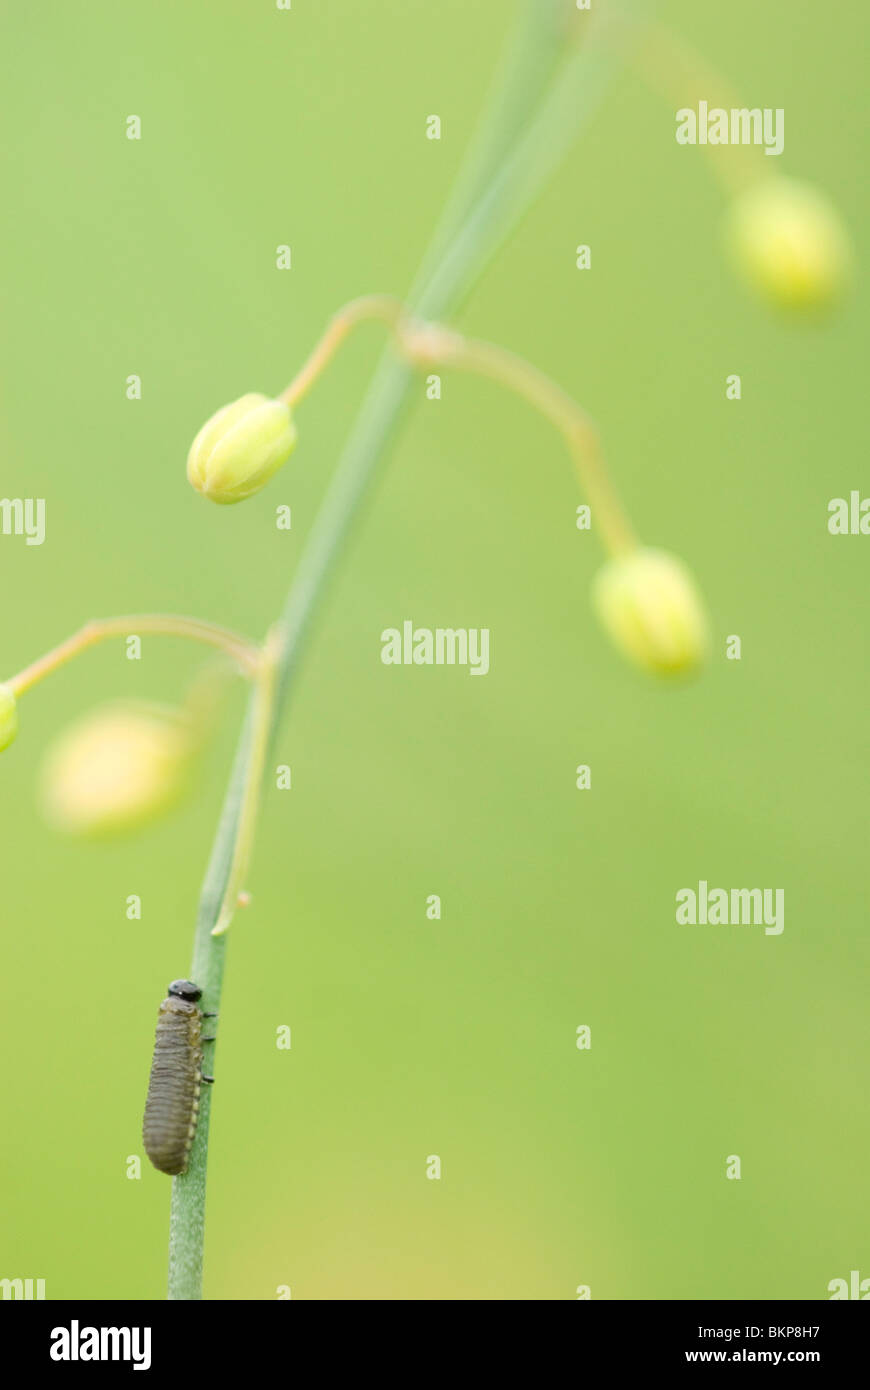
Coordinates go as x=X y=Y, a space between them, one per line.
x=243 y=652
x=683 y=77
x=371 y=306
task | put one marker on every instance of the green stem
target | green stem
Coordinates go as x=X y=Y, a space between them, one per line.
x=187 y=1207
x=517 y=180
x=467 y=238
x=263 y=717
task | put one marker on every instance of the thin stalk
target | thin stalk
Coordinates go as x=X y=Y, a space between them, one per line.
x=430 y=345
x=546 y=140
x=363 y=310
x=544 y=32
x=578 y=431
x=674 y=69
x=164 y=624
x=467 y=238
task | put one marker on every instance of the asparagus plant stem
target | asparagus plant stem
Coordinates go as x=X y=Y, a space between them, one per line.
x=262 y=710
x=463 y=244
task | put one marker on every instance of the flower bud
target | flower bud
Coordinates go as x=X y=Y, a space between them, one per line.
x=117 y=768
x=649 y=604
x=789 y=241
x=8 y=717
x=238 y=449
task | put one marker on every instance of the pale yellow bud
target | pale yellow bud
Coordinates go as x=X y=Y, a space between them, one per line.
x=117 y=768
x=789 y=241
x=237 y=451
x=8 y=717
x=648 y=602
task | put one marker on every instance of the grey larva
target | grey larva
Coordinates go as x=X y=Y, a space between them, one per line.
x=172 y=1107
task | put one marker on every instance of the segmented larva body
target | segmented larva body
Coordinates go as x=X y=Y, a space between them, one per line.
x=172 y=1107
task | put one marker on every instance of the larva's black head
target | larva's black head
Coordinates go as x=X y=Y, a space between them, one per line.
x=185 y=989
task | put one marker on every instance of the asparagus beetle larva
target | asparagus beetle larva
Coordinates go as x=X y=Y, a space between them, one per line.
x=172 y=1106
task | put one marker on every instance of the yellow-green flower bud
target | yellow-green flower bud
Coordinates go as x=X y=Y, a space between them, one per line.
x=789 y=241
x=8 y=717
x=648 y=602
x=238 y=449
x=117 y=768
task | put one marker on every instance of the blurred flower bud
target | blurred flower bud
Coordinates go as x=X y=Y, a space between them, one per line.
x=117 y=768
x=789 y=241
x=238 y=449
x=649 y=604
x=8 y=717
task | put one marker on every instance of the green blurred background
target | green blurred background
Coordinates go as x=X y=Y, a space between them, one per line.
x=456 y=1037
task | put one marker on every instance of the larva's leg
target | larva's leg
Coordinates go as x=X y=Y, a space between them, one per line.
x=209 y=1079
x=214 y=1014
x=211 y=1039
